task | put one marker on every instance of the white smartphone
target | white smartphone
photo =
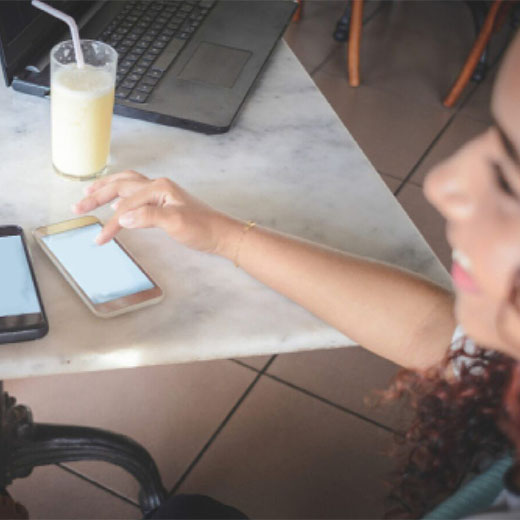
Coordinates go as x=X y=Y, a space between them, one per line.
x=106 y=277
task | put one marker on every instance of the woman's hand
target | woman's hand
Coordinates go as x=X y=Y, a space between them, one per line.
x=143 y=203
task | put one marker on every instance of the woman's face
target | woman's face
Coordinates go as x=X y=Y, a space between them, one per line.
x=477 y=190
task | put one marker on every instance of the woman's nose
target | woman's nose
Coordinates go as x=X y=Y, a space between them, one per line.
x=449 y=192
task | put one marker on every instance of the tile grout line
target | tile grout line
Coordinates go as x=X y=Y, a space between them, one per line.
x=95 y=483
x=320 y=398
x=247 y=365
x=221 y=426
x=398 y=179
x=322 y=63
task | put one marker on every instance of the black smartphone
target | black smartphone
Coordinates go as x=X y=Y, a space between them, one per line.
x=22 y=316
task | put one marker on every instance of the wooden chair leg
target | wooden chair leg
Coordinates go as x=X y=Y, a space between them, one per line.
x=299 y=11
x=354 y=42
x=474 y=55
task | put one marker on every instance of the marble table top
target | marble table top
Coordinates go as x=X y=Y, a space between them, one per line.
x=288 y=163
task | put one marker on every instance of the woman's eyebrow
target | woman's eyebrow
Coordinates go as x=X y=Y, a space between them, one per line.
x=509 y=147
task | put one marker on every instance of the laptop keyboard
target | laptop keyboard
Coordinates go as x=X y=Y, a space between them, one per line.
x=148 y=36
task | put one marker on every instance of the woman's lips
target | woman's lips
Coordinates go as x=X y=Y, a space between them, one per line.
x=462 y=279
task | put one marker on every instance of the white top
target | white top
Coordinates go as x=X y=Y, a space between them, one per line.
x=288 y=163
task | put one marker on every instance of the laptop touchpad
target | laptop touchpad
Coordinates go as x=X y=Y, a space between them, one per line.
x=215 y=64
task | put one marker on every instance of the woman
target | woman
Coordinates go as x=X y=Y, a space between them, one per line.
x=478 y=192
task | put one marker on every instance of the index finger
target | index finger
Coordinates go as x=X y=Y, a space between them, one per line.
x=108 y=192
x=148 y=194
x=124 y=175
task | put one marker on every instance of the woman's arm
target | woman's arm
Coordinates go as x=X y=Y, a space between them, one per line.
x=392 y=312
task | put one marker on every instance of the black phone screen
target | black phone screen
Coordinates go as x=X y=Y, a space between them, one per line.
x=20 y=304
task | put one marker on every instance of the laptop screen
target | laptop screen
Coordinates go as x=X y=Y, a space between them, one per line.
x=26 y=32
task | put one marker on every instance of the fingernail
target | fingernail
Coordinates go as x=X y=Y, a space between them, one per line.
x=127 y=220
x=116 y=204
x=75 y=208
x=87 y=204
x=87 y=190
x=99 y=239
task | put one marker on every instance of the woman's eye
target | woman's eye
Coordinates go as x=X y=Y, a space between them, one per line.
x=501 y=179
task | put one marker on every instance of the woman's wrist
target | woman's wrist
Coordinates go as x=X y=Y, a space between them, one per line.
x=228 y=233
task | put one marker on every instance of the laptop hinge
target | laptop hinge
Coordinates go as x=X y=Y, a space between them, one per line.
x=21 y=85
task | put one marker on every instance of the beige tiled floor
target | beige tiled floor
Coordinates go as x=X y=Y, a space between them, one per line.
x=349 y=377
x=427 y=219
x=297 y=441
x=285 y=455
x=459 y=132
x=192 y=400
x=383 y=138
x=51 y=492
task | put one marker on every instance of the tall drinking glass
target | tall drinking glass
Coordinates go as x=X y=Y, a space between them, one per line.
x=82 y=102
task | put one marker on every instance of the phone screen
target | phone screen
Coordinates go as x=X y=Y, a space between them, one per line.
x=105 y=272
x=18 y=294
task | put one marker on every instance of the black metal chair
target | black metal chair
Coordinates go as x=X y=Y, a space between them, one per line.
x=25 y=445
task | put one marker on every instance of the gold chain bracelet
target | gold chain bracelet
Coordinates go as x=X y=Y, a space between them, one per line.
x=250 y=224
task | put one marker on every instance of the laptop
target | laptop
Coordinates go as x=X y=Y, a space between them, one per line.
x=185 y=63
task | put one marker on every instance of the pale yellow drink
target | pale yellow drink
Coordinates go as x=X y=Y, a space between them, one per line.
x=82 y=101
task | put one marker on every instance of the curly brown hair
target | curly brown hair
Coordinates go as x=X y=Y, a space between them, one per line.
x=462 y=421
